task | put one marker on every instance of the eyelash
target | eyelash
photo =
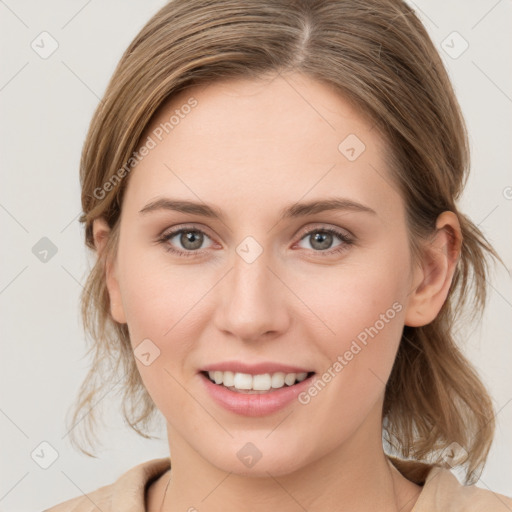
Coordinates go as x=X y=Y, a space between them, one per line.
x=346 y=241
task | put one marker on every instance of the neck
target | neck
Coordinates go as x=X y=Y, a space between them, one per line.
x=356 y=476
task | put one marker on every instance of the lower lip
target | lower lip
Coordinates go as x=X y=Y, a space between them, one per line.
x=260 y=404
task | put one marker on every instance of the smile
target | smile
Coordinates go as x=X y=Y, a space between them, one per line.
x=256 y=390
x=261 y=383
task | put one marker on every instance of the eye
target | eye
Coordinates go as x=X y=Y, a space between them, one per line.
x=321 y=240
x=190 y=240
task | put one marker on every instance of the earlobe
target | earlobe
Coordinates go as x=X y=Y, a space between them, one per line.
x=434 y=274
x=101 y=234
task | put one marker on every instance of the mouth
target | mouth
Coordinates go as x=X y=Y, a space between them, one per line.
x=255 y=384
x=254 y=389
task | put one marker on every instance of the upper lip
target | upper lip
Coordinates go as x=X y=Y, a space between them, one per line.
x=253 y=369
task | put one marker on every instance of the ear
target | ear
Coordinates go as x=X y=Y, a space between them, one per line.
x=101 y=233
x=433 y=276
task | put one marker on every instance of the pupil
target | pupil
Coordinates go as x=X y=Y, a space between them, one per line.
x=191 y=237
x=322 y=238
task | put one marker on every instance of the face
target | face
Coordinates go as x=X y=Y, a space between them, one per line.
x=270 y=283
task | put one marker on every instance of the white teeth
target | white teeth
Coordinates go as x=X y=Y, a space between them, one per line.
x=278 y=380
x=243 y=381
x=289 y=380
x=301 y=376
x=228 y=379
x=261 y=382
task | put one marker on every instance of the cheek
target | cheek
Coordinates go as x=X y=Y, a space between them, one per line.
x=159 y=302
x=354 y=297
x=159 y=298
x=362 y=308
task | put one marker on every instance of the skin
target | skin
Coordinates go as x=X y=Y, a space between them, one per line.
x=251 y=148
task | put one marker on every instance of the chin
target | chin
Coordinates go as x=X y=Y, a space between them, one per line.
x=258 y=458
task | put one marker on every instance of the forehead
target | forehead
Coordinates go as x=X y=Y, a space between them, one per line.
x=255 y=105
x=275 y=139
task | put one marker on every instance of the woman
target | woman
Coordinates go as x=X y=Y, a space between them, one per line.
x=271 y=189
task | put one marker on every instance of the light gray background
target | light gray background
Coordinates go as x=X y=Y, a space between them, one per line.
x=46 y=106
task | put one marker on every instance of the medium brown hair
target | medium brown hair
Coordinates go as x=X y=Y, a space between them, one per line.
x=378 y=55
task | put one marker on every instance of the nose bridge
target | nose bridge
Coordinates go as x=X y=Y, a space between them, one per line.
x=252 y=302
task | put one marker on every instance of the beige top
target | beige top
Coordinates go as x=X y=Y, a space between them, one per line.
x=441 y=492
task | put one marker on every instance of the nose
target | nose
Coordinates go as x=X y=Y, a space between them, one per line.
x=252 y=303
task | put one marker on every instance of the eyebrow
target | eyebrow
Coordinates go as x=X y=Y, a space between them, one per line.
x=292 y=211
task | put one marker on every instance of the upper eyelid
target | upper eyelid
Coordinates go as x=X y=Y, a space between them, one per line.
x=325 y=226
x=176 y=230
